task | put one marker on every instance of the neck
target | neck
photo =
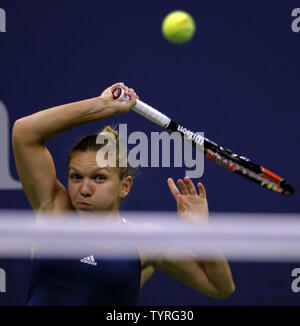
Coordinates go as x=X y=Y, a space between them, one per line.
x=113 y=216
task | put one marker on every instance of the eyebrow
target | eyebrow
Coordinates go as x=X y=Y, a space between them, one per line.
x=96 y=170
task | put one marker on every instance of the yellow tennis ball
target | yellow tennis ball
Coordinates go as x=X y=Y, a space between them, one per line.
x=178 y=27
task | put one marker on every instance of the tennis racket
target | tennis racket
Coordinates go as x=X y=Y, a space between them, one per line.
x=224 y=157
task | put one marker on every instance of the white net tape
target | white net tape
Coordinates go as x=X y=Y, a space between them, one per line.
x=241 y=237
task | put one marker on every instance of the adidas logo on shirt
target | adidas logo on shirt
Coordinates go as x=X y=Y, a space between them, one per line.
x=89 y=260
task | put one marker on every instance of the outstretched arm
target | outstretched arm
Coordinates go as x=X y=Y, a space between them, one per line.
x=212 y=278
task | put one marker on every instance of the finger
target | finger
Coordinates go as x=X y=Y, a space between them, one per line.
x=182 y=187
x=120 y=84
x=132 y=100
x=190 y=186
x=108 y=91
x=180 y=203
x=130 y=92
x=134 y=92
x=174 y=190
x=202 y=191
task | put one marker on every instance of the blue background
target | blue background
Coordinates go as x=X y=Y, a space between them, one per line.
x=237 y=81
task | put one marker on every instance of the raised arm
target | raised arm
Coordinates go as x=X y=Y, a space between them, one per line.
x=34 y=162
x=212 y=278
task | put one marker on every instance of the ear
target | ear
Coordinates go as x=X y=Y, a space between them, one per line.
x=125 y=186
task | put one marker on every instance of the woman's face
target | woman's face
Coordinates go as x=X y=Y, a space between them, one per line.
x=92 y=188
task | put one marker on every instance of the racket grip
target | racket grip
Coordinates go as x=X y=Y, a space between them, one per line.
x=143 y=109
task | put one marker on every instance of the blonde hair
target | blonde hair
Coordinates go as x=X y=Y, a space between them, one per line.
x=88 y=143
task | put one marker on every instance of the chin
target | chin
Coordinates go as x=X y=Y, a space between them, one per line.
x=89 y=213
x=83 y=210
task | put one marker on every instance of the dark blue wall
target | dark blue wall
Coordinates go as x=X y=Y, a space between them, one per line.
x=237 y=81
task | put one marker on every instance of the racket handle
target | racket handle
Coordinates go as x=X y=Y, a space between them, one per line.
x=143 y=109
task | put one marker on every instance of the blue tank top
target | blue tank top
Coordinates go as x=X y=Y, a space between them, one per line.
x=86 y=281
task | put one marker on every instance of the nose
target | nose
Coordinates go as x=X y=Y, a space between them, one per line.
x=86 y=189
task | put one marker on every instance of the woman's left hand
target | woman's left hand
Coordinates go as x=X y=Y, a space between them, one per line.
x=190 y=205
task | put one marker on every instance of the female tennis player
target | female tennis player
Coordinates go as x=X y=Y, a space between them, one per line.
x=92 y=280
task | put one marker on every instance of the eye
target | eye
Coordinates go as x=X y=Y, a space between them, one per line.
x=99 y=177
x=75 y=176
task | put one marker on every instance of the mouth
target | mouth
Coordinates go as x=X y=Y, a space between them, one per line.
x=84 y=205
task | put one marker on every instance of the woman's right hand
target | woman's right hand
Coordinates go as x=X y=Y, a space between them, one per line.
x=118 y=107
